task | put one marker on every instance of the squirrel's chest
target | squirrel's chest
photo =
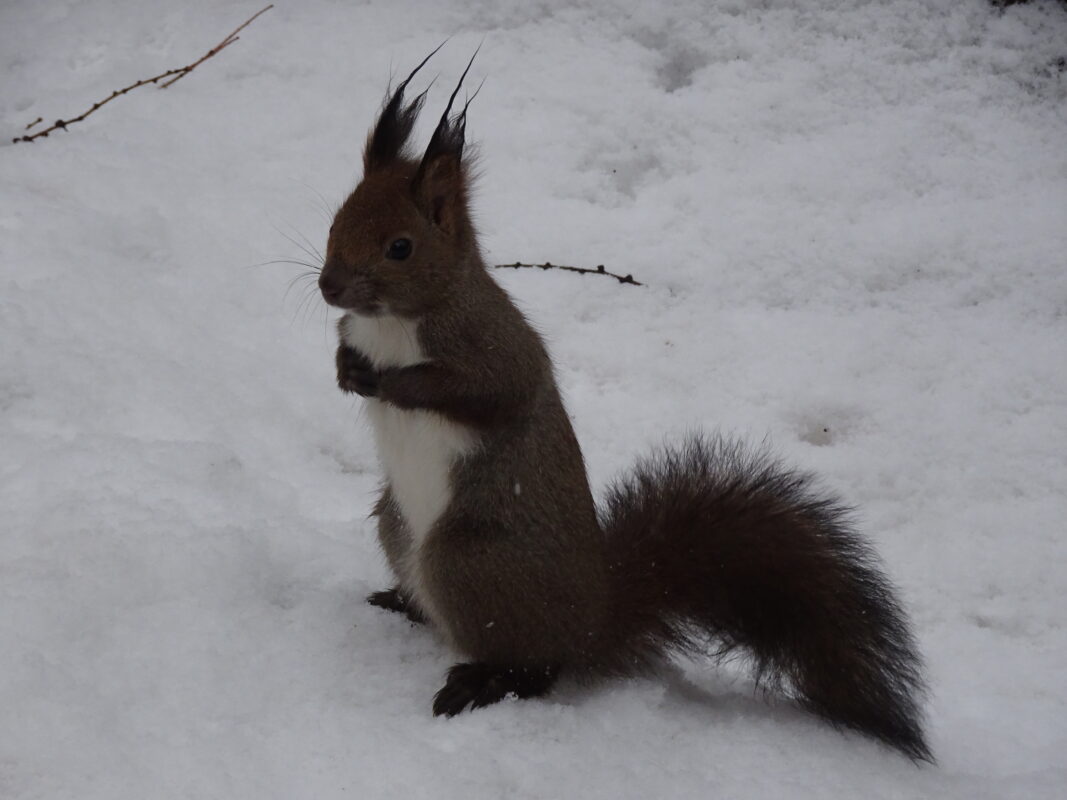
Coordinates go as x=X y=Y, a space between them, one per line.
x=417 y=449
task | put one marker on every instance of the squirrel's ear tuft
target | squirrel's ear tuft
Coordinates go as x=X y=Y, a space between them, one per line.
x=439 y=184
x=390 y=134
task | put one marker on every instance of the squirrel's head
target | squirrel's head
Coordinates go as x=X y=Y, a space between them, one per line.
x=403 y=239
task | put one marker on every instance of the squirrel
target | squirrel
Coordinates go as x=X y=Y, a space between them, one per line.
x=486 y=517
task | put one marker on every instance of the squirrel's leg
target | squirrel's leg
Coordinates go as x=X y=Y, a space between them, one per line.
x=478 y=684
x=395 y=539
x=516 y=618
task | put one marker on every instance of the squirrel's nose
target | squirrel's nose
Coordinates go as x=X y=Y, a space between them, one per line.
x=330 y=288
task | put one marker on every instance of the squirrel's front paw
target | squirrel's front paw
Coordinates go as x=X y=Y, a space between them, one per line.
x=356 y=373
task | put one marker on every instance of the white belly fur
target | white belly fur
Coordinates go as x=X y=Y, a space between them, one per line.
x=416 y=448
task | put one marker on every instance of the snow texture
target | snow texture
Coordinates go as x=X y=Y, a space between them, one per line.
x=851 y=218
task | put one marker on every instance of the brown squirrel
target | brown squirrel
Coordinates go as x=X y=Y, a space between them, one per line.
x=486 y=517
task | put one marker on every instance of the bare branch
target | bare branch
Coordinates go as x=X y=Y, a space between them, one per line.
x=233 y=37
x=173 y=74
x=581 y=270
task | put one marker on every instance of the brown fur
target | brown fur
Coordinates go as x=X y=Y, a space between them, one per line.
x=518 y=571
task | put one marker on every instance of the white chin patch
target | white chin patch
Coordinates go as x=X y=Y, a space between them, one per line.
x=387 y=340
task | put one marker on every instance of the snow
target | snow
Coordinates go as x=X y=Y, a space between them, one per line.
x=852 y=222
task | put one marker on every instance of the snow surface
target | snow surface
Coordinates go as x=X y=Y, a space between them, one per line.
x=852 y=222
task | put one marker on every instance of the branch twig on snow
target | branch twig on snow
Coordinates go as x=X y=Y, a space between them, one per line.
x=582 y=270
x=173 y=74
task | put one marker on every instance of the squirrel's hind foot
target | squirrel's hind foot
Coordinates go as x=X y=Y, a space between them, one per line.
x=477 y=685
x=394 y=600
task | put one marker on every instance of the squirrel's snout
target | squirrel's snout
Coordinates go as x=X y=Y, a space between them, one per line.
x=330 y=288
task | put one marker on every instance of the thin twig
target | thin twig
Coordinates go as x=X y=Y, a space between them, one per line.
x=581 y=270
x=39 y=119
x=233 y=37
x=181 y=72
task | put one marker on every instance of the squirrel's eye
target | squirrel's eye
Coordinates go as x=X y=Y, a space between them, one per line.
x=399 y=249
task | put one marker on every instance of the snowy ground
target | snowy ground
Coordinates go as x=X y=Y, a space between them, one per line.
x=852 y=220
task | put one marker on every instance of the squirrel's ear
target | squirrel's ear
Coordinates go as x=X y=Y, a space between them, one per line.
x=390 y=133
x=439 y=184
x=440 y=191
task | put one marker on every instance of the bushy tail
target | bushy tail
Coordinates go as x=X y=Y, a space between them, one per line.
x=707 y=539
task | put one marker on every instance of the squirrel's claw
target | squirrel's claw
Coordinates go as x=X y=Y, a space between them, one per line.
x=356 y=373
x=394 y=600
x=479 y=685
